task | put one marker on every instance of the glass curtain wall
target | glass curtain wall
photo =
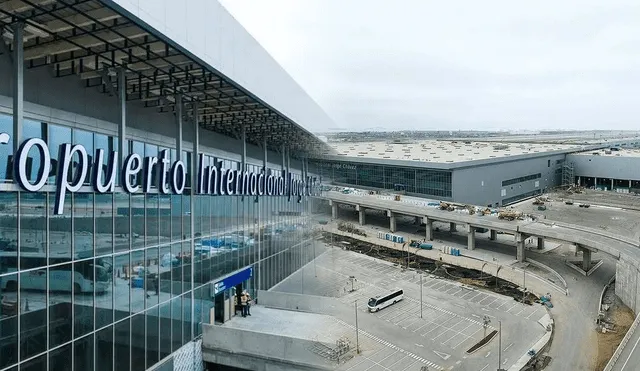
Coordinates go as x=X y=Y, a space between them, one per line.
x=427 y=182
x=109 y=285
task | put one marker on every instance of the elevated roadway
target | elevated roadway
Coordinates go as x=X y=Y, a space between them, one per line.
x=626 y=251
x=586 y=238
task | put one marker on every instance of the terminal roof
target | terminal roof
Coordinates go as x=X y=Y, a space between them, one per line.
x=92 y=39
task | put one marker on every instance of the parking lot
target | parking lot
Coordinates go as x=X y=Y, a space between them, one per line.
x=452 y=313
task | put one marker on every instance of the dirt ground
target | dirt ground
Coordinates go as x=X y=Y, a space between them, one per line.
x=622 y=317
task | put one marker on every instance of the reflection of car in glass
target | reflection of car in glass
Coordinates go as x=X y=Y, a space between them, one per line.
x=81 y=276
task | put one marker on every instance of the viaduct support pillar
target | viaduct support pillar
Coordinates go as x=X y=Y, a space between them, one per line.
x=361 y=215
x=520 y=239
x=586 y=259
x=418 y=220
x=540 y=243
x=493 y=234
x=334 y=210
x=392 y=221
x=471 y=237
x=429 y=229
x=452 y=227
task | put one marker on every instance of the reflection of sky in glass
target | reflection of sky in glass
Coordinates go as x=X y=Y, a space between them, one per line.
x=33 y=129
x=5 y=149
x=57 y=136
x=84 y=138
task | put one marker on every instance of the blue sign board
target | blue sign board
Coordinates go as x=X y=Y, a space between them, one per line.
x=232 y=280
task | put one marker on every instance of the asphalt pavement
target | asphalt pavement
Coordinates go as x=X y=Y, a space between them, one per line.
x=452 y=315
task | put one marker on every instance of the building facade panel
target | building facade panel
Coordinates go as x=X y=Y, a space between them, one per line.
x=612 y=167
x=506 y=182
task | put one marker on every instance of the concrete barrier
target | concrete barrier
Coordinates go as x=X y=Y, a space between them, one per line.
x=252 y=350
x=547 y=268
x=620 y=347
x=604 y=289
x=297 y=302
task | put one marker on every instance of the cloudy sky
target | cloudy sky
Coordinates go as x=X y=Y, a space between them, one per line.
x=423 y=64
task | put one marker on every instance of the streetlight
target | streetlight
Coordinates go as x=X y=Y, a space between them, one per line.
x=485 y=323
x=420 y=295
x=500 y=346
x=357 y=339
x=524 y=284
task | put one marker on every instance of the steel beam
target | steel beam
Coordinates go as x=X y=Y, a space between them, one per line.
x=178 y=114
x=122 y=124
x=18 y=84
x=194 y=183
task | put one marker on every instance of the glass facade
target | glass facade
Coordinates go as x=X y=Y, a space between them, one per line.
x=112 y=283
x=429 y=182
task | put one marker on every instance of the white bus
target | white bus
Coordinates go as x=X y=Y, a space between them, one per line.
x=383 y=301
x=81 y=275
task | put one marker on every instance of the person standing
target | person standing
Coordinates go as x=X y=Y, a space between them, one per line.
x=243 y=304
x=249 y=300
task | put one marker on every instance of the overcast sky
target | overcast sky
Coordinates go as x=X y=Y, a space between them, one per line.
x=382 y=64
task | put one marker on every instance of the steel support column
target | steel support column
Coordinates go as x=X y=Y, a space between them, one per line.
x=244 y=148
x=452 y=227
x=18 y=84
x=178 y=127
x=493 y=234
x=123 y=150
x=194 y=183
x=540 y=243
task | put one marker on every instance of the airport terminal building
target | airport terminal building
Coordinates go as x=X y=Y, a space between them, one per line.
x=476 y=172
x=153 y=164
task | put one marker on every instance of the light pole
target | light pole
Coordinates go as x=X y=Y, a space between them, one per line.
x=500 y=346
x=420 y=295
x=357 y=339
x=485 y=323
x=524 y=283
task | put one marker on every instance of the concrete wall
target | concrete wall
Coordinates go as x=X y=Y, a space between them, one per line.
x=627 y=280
x=208 y=31
x=482 y=185
x=259 y=351
x=66 y=101
x=298 y=302
x=625 y=168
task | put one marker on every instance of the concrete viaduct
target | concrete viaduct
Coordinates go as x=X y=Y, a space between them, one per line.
x=586 y=239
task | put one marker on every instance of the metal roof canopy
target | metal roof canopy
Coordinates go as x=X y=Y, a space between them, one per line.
x=91 y=40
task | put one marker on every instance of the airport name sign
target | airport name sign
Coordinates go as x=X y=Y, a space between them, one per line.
x=171 y=177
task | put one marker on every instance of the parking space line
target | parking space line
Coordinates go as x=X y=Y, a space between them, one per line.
x=532 y=313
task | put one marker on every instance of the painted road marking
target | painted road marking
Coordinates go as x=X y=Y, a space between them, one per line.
x=508 y=346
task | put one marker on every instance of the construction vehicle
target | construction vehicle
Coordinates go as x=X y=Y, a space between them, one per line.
x=486 y=211
x=446 y=206
x=568 y=202
x=586 y=206
x=510 y=215
x=538 y=201
x=542 y=207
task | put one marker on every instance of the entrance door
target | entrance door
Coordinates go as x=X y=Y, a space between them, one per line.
x=218 y=306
